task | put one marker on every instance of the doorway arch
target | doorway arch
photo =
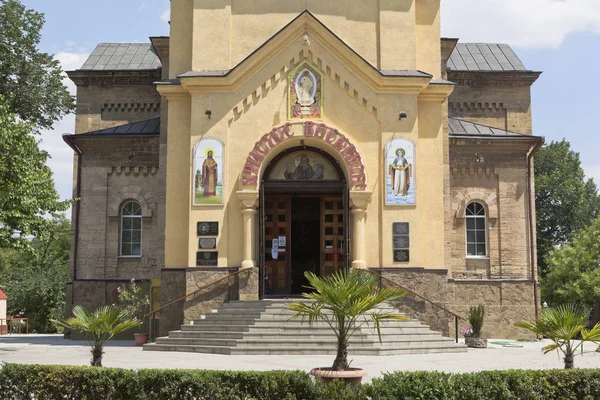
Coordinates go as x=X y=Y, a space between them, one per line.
x=304 y=213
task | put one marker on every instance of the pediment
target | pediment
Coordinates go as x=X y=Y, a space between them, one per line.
x=308 y=35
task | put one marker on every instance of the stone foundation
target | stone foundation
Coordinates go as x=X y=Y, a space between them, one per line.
x=506 y=301
x=202 y=295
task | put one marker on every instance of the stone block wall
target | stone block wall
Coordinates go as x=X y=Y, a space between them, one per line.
x=500 y=100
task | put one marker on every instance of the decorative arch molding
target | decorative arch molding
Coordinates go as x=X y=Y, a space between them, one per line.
x=128 y=193
x=463 y=198
x=308 y=133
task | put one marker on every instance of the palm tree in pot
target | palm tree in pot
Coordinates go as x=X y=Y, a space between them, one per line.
x=565 y=325
x=346 y=300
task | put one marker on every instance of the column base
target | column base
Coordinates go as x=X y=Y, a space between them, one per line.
x=359 y=264
x=248 y=264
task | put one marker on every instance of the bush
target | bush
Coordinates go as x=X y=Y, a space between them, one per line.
x=20 y=382
x=476 y=317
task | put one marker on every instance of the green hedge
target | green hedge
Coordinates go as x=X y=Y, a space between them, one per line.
x=20 y=382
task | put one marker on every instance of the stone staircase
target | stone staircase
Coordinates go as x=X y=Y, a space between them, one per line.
x=265 y=328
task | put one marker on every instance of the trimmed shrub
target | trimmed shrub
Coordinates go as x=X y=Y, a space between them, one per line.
x=26 y=382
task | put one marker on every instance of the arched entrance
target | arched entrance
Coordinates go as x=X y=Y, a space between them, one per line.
x=303 y=220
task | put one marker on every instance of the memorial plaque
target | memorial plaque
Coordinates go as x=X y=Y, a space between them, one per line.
x=208 y=229
x=401 y=228
x=207 y=259
x=401 y=255
x=208 y=244
x=401 y=242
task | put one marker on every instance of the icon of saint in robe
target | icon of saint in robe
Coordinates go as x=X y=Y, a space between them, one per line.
x=210 y=175
x=400 y=172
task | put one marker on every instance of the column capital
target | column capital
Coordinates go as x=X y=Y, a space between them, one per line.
x=248 y=198
x=360 y=199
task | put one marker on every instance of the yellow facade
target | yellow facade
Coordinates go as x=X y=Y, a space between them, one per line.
x=235 y=57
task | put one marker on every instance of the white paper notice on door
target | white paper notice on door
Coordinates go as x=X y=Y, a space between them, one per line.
x=282 y=244
x=275 y=249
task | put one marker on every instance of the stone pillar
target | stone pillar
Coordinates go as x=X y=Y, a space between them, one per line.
x=249 y=200
x=359 y=200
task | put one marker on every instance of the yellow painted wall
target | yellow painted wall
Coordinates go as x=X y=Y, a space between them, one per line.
x=389 y=34
x=225 y=32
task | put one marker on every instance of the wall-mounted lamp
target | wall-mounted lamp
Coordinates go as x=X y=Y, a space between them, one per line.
x=402 y=115
x=479 y=158
x=208 y=113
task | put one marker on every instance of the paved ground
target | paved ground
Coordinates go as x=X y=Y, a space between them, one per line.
x=53 y=349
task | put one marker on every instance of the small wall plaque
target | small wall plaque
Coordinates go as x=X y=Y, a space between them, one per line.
x=401 y=228
x=208 y=244
x=207 y=259
x=208 y=229
x=401 y=255
x=401 y=242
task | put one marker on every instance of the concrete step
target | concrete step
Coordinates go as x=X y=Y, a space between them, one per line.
x=266 y=327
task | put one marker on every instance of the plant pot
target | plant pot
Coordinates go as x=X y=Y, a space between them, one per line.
x=476 y=343
x=352 y=377
x=140 y=338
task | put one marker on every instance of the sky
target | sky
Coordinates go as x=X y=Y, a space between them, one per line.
x=559 y=37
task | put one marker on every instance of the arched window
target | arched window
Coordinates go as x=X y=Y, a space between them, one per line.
x=476 y=230
x=131 y=230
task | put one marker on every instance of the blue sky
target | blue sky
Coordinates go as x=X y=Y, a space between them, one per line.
x=559 y=37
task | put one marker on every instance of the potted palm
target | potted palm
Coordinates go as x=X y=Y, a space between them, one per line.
x=473 y=334
x=134 y=298
x=346 y=301
x=565 y=325
x=102 y=324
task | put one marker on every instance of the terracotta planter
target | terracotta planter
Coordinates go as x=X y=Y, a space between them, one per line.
x=353 y=376
x=476 y=343
x=140 y=338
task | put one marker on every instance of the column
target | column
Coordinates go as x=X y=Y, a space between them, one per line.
x=360 y=200
x=249 y=216
x=249 y=200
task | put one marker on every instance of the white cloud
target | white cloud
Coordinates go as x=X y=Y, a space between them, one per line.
x=524 y=23
x=166 y=15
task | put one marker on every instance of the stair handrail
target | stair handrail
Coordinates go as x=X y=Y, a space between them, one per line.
x=152 y=313
x=397 y=285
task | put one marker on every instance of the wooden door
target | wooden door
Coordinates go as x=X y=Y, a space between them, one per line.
x=277 y=223
x=333 y=234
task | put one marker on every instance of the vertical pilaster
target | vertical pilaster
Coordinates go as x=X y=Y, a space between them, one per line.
x=359 y=200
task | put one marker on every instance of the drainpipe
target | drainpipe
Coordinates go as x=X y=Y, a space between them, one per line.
x=532 y=242
x=68 y=140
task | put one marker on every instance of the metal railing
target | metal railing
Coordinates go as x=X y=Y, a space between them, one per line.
x=425 y=299
x=152 y=314
x=10 y=322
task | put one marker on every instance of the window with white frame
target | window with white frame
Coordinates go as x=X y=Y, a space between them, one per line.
x=131 y=230
x=476 y=230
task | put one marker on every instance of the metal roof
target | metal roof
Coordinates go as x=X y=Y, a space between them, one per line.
x=484 y=57
x=148 y=127
x=122 y=56
x=460 y=127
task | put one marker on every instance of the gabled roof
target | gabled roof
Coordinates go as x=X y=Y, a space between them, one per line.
x=3 y=296
x=484 y=57
x=460 y=128
x=149 y=127
x=122 y=57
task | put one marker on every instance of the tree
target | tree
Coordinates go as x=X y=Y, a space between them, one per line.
x=565 y=201
x=565 y=326
x=345 y=300
x=34 y=279
x=27 y=192
x=102 y=325
x=573 y=271
x=30 y=80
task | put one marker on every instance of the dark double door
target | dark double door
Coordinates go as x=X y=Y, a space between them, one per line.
x=301 y=232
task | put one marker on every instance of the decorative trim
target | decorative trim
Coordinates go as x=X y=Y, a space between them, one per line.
x=468 y=195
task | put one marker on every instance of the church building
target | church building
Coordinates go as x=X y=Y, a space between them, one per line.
x=263 y=139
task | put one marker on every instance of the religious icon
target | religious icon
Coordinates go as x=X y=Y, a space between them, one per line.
x=304 y=165
x=305 y=92
x=208 y=167
x=400 y=182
